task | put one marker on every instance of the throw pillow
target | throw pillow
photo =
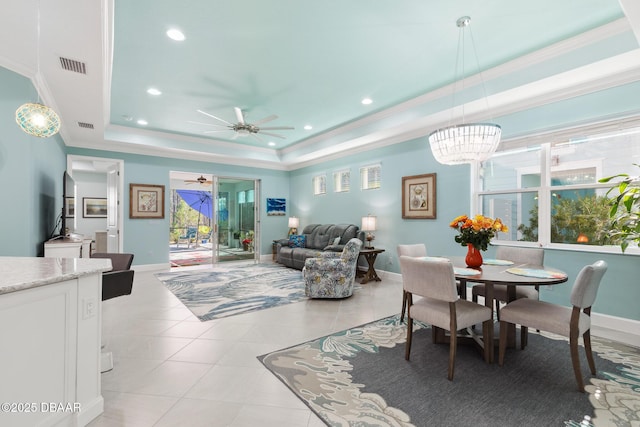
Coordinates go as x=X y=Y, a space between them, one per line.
x=297 y=241
x=336 y=241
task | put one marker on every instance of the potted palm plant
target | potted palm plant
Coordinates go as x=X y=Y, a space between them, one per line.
x=625 y=208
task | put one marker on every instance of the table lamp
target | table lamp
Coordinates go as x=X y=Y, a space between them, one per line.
x=369 y=225
x=294 y=222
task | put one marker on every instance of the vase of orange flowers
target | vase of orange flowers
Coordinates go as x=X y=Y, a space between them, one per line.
x=476 y=233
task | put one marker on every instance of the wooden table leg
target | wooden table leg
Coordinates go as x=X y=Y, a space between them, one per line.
x=488 y=302
x=511 y=328
x=371 y=271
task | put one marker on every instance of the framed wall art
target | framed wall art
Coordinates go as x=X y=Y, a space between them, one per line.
x=94 y=207
x=277 y=207
x=146 y=201
x=419 y=196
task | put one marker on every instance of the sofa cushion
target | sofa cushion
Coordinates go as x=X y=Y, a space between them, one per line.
x=345 y=232
x=320 y=237
x=297 y=241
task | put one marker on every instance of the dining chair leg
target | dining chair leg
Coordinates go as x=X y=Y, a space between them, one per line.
x=524 y=337
x=453 y=341
x=487 y=339
x=503 y=342
x=586 y=337
x=407 y=347
x=575 y=360
x=404 y=305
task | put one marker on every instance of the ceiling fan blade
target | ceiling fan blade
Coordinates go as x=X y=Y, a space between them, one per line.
x=257 y=137
x=272 y=134
x=278 y=128
x=239 y=115
x=266 y=119
x=206 y=124
x=235 y=135
x=217 y=118
x=216 y=131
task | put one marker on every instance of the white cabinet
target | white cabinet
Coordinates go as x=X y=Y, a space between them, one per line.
x=50 y=324
x=67 y=248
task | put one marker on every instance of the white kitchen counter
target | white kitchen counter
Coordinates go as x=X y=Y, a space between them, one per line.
x=20 y=273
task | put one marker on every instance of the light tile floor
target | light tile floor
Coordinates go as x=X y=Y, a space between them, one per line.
x=171 y=369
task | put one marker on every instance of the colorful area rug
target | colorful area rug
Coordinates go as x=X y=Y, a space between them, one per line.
x=234 y=289
x=359 y=377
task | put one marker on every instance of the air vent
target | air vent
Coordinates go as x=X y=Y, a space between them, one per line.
x=73 y=65
x=85 y=125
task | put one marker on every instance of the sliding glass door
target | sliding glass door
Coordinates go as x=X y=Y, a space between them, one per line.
x=213 y=219
x=237 y=219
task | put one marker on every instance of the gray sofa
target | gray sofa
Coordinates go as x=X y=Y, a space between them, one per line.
x=318 y=238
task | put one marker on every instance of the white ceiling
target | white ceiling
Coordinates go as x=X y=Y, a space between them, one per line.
x=309 y=63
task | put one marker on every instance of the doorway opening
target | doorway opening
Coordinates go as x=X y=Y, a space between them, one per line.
x=212 y=219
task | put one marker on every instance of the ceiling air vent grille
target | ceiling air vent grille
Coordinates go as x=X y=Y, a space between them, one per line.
x=85 y=125
x=73 y=65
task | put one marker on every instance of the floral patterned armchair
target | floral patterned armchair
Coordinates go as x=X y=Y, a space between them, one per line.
x=332 y=275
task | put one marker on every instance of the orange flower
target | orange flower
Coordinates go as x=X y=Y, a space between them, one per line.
x=477 y=231
x=456 y=222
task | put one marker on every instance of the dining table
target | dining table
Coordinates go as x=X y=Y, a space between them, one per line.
x=503 y=272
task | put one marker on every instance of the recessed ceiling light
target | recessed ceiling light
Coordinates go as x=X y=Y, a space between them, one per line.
x=175 y=34
x=154 y=91
x=272 y=144
x=367 y=101
x=142 y=122
x=308 y=127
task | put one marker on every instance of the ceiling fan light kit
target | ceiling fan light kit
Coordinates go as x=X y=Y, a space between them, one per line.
x=200 y=180
x=464 y=143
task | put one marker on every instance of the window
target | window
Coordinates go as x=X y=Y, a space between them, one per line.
x=370 y=177
x=341 y=181
x=319 y=185
x=548 y=192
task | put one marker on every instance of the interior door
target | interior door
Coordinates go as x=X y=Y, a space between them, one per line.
x=113 y=229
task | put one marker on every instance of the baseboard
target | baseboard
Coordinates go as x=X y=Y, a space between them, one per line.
x=619 y=329
x=151 y=267
x=90 y=410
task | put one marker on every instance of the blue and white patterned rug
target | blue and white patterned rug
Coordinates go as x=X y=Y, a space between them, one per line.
x=228 y=290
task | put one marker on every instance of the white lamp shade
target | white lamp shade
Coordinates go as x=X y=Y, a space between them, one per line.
x=368 y=223
x=294 y=222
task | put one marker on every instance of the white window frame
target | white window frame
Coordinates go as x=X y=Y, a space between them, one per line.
x=365 y=171
x=544 y=198
x=342 y=181
x=319 y=183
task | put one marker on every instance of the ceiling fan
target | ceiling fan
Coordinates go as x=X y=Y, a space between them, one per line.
x=242 y=128
x=200 y=180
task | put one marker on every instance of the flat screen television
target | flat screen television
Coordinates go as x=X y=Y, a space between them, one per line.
x=68 y=204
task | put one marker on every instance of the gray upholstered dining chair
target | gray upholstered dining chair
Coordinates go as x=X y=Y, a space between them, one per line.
x=414 y=250
x=557 y=319
x=441 y=306
x=533 y=256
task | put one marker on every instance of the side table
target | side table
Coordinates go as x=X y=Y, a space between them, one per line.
x=370 y=255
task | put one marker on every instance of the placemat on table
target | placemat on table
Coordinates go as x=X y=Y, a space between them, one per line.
x=497 y=262
x=533 y=272
x=461 y=271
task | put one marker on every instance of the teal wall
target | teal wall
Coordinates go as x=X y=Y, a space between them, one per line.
x=31 y=171
x=148 y=238
x=619 y=292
